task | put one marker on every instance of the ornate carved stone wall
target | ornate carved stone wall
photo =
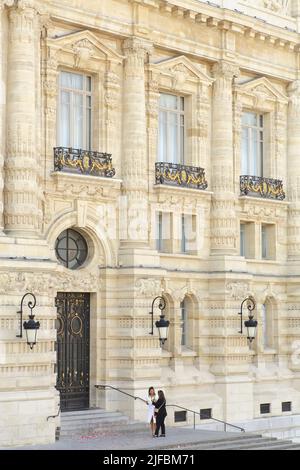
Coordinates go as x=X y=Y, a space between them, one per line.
x=21 y=192
x=224 y=227
x=222 y=67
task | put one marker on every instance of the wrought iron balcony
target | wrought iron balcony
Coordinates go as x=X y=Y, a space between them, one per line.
x=83 y=161
x=263 y=187
x=175 y=174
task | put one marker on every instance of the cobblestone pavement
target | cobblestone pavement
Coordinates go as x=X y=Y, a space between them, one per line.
x=129 y=439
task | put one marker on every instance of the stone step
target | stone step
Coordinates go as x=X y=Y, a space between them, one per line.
x=99 y=417
x=98 y=425
x=240 y=442
x=219 y=441
x=92 y=420
x=231 y=443
x=280 y=446
x=89 y=412
x=254 y=445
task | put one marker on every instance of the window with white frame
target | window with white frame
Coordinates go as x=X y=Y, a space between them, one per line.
x=171 y=146
x=252 y=144
x=75 y=110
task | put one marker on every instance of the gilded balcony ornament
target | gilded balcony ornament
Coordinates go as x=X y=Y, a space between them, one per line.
x=263 y=187
x=175 y=174
x=83 y=161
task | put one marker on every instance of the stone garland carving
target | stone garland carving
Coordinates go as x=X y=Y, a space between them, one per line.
x=237 y=290
x=278 y=6
x=47 y=284
x=148 y=287
x=281 y=7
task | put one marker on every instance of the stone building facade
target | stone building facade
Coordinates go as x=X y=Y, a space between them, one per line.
x=149 y=147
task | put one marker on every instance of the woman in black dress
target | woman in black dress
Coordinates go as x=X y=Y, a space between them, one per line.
x=160 y=413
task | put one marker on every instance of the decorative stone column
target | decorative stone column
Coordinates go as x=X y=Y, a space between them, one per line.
x=202 y=120
x=3 y=41
x=135 y=230
x=294 y=171
x=113 y=105
x=224 y=226
x=237 y=140
x=153 y=120
x=21 y=207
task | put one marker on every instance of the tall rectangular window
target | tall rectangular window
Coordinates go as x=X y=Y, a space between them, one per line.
x=242 y=239
x=188 y=240
x=252 y=144
x=264 y=242
x=183 y=234
x=163 y=232
x=247 y=239
x=75 y=111
x=268 y=241
x=171 y=146
x=183 y=310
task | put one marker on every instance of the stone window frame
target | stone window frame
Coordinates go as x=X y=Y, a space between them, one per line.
x=83 y=52
x=182 y=77
x=261 y=96
x=85 y=93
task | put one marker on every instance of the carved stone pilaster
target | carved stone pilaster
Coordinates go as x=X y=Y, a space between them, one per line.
x=113 y=103
x=224 y=227
x=21 y=208
x=134 y=159
x=237 y=139
x=202 y=127
x=294 y=171
x=152 y=109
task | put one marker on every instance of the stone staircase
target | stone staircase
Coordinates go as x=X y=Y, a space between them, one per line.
x=240 y=442
x=99 y=424
x=74 y=423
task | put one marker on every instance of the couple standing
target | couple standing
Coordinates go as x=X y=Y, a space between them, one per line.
x=156 y=412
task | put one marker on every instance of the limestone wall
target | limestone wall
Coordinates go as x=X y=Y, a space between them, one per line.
x=223 y=62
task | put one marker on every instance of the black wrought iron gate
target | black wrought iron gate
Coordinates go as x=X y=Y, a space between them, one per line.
x=73 y=350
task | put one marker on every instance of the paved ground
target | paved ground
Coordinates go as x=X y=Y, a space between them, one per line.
x=131 y=440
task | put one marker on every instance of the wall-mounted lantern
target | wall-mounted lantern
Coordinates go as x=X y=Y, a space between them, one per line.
x=162 y=324
x=250 y=325
x=30 y=326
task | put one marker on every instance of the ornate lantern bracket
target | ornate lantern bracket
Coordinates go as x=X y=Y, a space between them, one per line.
x=250 y=325
x=30 y=326
x=162 y=324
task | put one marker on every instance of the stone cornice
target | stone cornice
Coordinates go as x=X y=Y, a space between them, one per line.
x=203 y=14
x=214 y=17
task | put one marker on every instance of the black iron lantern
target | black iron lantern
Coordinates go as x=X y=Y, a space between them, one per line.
x=251 y=324
x=30 y=326
x=162 y=324
x=163 y=329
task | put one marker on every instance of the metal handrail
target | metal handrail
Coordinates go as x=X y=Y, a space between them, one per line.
x=213 y=419
x=121 y=391
x=103 y=387
x=54 y=416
